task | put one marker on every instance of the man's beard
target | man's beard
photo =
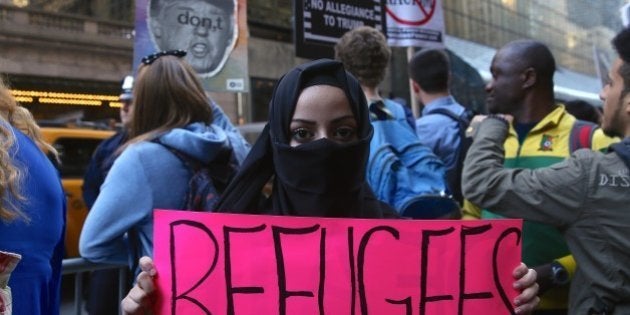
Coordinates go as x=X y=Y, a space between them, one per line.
x=611 y=129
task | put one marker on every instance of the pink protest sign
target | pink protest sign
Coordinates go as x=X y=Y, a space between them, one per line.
x=212 y=263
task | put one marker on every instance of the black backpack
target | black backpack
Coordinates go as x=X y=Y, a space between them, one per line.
x=207 y=181
x=454 y=175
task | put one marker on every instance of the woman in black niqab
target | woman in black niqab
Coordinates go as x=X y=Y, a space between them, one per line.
x=320 y=178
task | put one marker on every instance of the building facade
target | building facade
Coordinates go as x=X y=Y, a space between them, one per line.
x=65 y=58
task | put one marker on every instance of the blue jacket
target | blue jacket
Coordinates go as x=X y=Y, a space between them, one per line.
x=102 y=160
x=438 y=132
x=103 y=156
x=144 y=177
x=35 y=282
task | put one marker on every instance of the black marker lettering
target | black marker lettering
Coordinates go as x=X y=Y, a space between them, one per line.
x=231 y=290
x=282 y=281
x=462 y=268
x=184 y=295
x=406 y=302
x=495 y=270
x=353 y=287
x=361 y=260
x=322 y=271
x=426 y=239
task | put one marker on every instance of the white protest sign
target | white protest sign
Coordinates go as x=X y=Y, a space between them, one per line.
x=418 y=23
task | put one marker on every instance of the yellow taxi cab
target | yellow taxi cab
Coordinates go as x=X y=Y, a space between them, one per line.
x=75 y=147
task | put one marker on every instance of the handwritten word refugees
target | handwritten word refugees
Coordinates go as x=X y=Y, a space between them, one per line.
x=244 y=264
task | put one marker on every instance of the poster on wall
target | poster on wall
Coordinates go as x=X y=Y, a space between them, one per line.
x=212 y=32
x=415 y=23
x=320 y=23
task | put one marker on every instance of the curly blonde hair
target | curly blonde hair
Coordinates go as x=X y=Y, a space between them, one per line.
x=12 y=113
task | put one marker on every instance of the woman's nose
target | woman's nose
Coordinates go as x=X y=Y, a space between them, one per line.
x=321 y=134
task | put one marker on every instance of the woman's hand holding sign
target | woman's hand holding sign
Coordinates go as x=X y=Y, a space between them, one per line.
x=139 y=300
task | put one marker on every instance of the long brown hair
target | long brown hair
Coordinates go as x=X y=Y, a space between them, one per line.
x=10 y=175
x=167 y=94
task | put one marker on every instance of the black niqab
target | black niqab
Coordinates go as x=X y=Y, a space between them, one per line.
x=321 y=178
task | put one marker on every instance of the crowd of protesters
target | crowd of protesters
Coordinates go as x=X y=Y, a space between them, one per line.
x=566 y=175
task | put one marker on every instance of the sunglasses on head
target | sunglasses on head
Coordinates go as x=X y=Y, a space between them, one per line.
x=147 y=60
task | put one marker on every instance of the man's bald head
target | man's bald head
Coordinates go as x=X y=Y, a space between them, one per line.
x=522 y=81
x=527 y=53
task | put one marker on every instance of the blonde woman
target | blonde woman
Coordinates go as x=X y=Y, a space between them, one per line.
x=32 y=210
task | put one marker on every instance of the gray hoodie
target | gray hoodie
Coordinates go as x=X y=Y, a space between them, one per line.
x=587 y=197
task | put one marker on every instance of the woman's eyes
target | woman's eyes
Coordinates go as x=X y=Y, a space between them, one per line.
x=338 y=134
x=345 y=134
x=301 y=134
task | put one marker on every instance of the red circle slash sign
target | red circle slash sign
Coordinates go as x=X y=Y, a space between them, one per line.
x=426 y=7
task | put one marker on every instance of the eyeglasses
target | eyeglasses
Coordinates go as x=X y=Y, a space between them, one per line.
x=147 y=60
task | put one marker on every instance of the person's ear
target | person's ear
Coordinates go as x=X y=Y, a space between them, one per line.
x=415 y=86
x=626 y=104
x=529 y=77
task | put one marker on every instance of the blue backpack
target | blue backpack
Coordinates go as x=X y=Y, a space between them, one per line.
x=404 y=173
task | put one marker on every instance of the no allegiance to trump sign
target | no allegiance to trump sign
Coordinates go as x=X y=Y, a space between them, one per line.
x=320 y=23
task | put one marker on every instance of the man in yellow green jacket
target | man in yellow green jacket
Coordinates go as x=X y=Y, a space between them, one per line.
x=522 y=86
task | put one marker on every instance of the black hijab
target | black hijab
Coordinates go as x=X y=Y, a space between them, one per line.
x=320 y=178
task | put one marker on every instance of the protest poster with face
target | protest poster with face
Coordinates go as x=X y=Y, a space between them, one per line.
x=210 y=31
x=415 y=23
